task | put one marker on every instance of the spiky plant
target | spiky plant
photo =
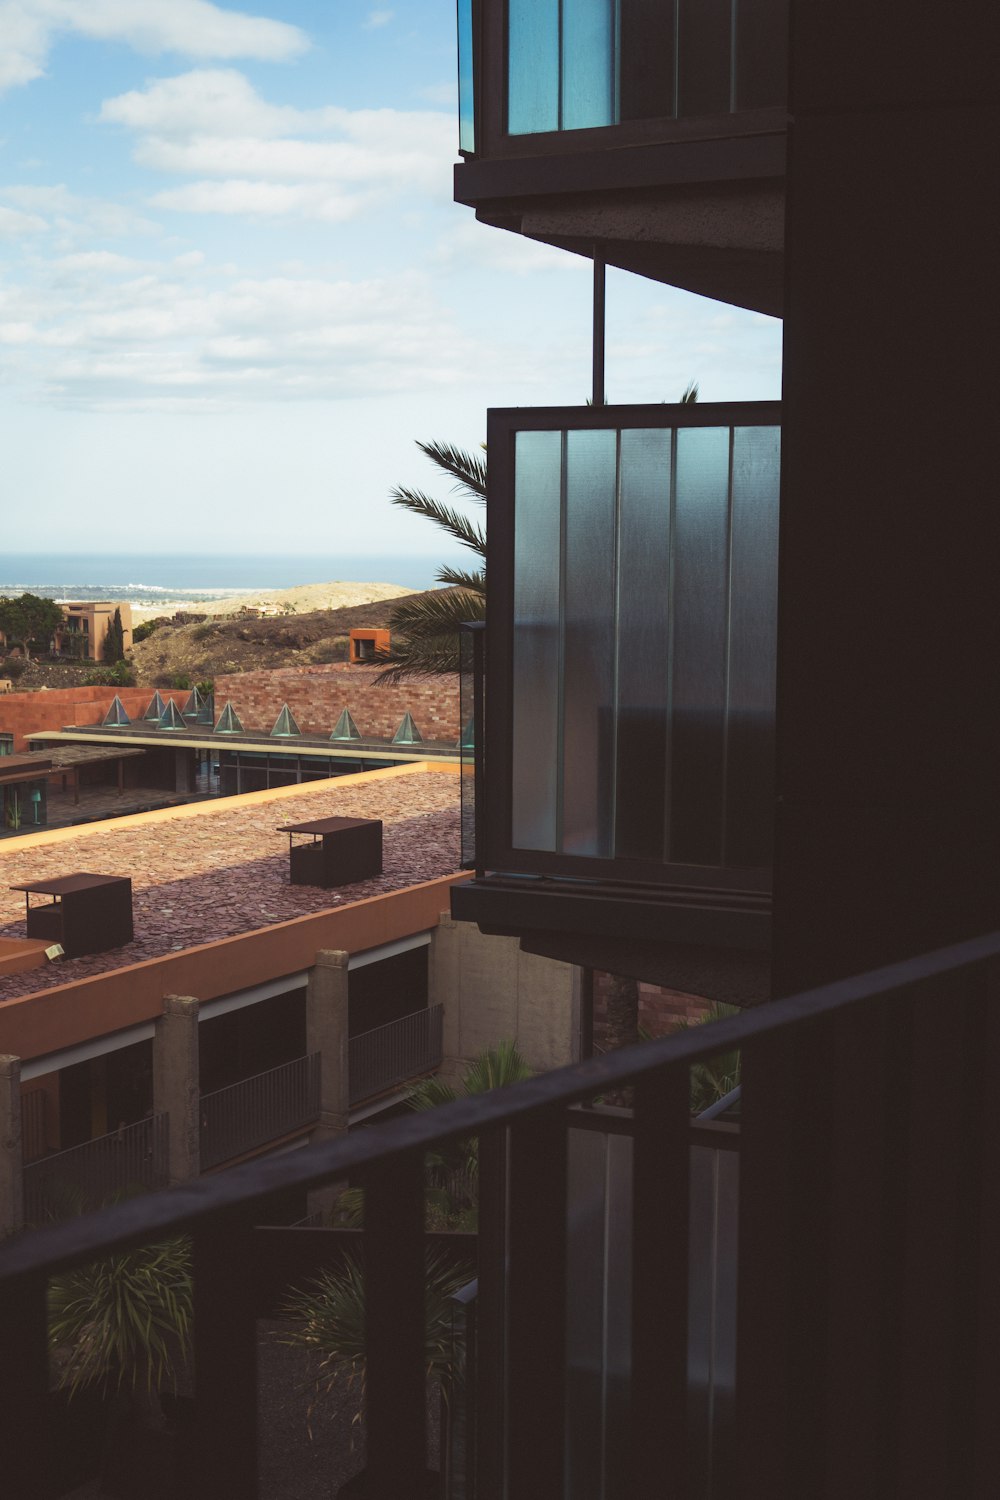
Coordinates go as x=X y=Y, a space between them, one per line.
x=122 y=1324
x=327 y=1317
x=715 y=1077
x=424 y=631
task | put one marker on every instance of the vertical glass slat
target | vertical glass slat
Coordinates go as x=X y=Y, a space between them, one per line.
x=643 y=642
x=532 y=66
x=697 y=751
x=535 y=650
x=589 y=63
x=704 y=57
x=752 y=645
x=588 y=673
x=466 y=79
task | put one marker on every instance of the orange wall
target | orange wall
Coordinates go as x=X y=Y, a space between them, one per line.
x=50 y=1020
x=22 y=714
x=18 y=954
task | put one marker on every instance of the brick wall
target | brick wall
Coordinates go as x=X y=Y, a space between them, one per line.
x=660 y=1010
x=22 y=714
x=317 y=695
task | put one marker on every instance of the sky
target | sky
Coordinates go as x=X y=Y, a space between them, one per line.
x=234 y=288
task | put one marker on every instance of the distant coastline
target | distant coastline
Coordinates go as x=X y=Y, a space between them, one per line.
x=169 y=582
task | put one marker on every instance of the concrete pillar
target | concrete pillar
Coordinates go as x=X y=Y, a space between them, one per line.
x=326 y=1033
x=176 y=1088
x=11 y=1164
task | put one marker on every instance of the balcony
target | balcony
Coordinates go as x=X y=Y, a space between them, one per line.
x=865 y=1330
x=67 y=1183
x=569 y=109
x=259 y=1110
x=384 y=1058
x=626 y=756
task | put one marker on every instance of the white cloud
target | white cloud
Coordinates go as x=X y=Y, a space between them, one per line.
x=14 y=224
x=473 y=246
x=259 y=200
x=440 y=93
x=107 y=333
x=275 y=160
x=74 y=215
x=377 y=18
x=194 y=28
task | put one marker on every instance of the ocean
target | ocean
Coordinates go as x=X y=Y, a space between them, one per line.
x=147 y=578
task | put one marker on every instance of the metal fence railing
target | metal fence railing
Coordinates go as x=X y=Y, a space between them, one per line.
x=866 y=1323
x=394 y=1053
x=259 y=1109
x=86 y=1177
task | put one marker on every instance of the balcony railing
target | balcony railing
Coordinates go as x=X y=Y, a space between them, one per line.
x=390 y=1055
x=86 y=1177
x=259 y=1109
x=543 y=67
x=867 y=1323
x=630 y=655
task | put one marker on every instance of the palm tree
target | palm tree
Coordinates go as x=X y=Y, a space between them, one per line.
x=424 y=631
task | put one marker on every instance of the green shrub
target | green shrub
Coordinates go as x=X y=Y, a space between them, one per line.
x=145 y=630
x=120 y=675
x=181 y=681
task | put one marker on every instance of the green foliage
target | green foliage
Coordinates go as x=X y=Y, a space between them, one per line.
x=206 y=687
x=113 y=648
x=27 y=619
x=713 y=1079
x=203 y=631
x=123 y=1323
x=328 y=1318
x=424 y=631
x=14 y=667
x=181 y=681
x=120 y=675
x=145 y=630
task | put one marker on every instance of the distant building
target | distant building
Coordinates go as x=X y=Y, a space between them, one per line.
x=86 y=629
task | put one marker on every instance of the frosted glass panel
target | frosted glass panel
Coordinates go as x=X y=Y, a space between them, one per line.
x=643 y=642
x=536 y=646
x=589 y=29
x=643 y=647
x=701 y=502
x=588 y=675
x=466 y=92
x=533 y=66
x=752 y=636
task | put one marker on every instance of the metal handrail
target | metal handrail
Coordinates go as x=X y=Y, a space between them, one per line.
x=246 y=1186
x=259 y=1109
x=83 y=1177
x=394 y=1053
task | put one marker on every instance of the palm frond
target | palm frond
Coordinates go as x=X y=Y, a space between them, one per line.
x=468 y=469
x=495 y=1068
x=450 y=520
x=462 y=578
x=690 y=394
x=425 y=634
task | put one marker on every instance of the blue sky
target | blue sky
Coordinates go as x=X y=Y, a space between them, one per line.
x=234 y=288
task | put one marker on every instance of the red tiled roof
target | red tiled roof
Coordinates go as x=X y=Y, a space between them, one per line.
x=216 y=874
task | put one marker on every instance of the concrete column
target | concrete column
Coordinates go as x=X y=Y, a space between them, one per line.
x=326 y=1033
x=176 y=1088
x=11 y=1163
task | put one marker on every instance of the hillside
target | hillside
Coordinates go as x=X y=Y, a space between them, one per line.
x=213 y=647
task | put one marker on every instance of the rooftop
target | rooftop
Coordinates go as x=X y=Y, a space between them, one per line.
x=213 y=870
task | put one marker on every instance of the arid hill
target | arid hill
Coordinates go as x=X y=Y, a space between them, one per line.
x=211 y=647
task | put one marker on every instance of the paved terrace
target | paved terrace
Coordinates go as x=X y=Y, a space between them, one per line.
x=216 y=869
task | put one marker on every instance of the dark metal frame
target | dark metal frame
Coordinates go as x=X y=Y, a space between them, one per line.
x=497 y=853
x=868 y=1322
